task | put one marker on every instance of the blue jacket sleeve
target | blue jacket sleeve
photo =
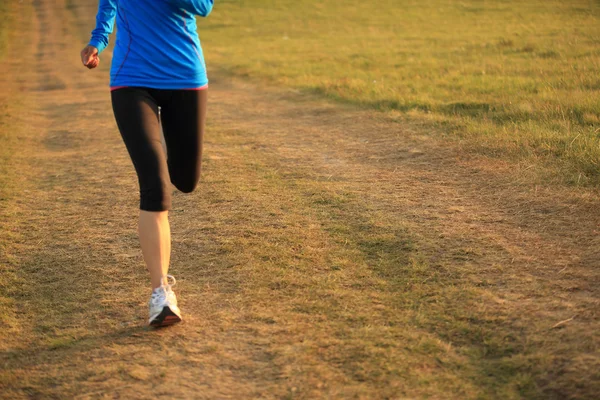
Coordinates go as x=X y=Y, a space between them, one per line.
x=105 y=23
x=196 y=7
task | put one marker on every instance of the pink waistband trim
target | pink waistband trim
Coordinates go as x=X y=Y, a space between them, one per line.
x=112 y=88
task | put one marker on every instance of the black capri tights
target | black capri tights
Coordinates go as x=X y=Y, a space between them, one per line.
x=182 y=115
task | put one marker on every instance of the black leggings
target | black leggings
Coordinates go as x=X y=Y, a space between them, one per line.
x=182 y=114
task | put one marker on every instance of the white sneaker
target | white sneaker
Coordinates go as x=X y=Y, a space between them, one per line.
x=163 y=304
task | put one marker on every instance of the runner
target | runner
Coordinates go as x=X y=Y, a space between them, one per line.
x=158 y=77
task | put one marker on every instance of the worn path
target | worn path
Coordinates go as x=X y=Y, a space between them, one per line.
x=330 y=252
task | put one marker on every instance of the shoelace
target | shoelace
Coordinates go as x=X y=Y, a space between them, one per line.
x=165 y=281
x=160 y=295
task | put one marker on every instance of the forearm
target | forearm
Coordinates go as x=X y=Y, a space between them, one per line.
x=105 y=23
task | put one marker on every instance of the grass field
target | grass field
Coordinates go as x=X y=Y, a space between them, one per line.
x=343 y=244
x=513 y=79
x=3 y=29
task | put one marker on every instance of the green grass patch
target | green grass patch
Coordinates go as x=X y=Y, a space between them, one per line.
x=506 y=78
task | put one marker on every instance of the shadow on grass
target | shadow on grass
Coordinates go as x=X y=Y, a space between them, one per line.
x=499 y=114
x=433 y=283
x=55 y=345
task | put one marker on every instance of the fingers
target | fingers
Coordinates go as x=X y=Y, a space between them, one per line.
x=89 y=57
x=93 y=63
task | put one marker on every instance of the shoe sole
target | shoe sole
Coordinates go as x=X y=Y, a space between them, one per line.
x=165 y=318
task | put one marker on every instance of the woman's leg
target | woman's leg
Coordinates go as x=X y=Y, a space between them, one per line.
x=183 y=119
x=136 y=112
x=155 y=241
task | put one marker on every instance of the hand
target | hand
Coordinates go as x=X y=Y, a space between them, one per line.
x=89 y=57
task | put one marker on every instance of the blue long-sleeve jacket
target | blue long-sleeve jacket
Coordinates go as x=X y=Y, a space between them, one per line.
x=157 y=43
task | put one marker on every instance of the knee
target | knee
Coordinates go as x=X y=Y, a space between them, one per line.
x=187 y=186
x=185 y=174
x=155 y=199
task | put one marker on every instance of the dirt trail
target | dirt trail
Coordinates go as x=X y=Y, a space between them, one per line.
x=329 y=252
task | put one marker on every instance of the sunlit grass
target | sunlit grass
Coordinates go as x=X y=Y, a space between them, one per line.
x=325 y=254
x=3 y=29
x=511 y=79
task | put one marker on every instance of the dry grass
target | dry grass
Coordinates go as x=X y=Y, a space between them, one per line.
x=331 y=252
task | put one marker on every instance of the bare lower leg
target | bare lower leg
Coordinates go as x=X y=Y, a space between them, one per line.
x=155 y=240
